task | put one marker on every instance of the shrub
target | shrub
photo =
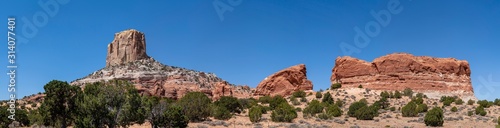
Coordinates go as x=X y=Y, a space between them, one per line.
x=230 y=103
x=248 y=103
x=174 y=117
x=277 y=100
x=333 y=110
x=220 y=112
x=479 y=110
x=447 y=100
x=354 y=107
x=255 y=114
x=327 y=98
x=420 y=95
x=33 y=105
x=360 y=86
x=418 y=100
x=384 y=94
x=313 y=108
x=409 y=110
x=303 y=99
x=408 y=92
x=195 y=105
x=294 y=101
x=283 y=113
x=339 y=103
x=434 y=117
x=366 y=113
x=335 y=86
x=469 y=113
x=300 y=93
x=265 y=99
x=454 y=109
x=459 y=101
x=470 y=102
x=324 y=116
x=319 y=95
x=484 y=103
x=392 y=108
x=497 y=102
x=422 y=108
x=397 y=94
x=298 y=109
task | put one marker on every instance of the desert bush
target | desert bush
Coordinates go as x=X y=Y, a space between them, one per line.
x=335 y=86
x=447 y=100
x=422 y=108
x=294 y=101
x=230 y=103
x=354 y=107
x=277 y=100
x=498 y=120
x=397 y=94
x=220 y=112
x=470 y=113
x=196 y=105
x=283 y=113
x=324 y=116
x=497 y=102
x=333 y=110
x=360 y=86
x=384 y=94
x=298 y=109
x=339 y=103
x=392 y=108
x=470 y=102
x=408 y=92
x=300 y=93
x=409 y=110
x=327 y=98
x=434 y=117
x=419 y=95
x=248 y=103
x=319 y=95
x=480 y=111
x=265 y=99
x=459 y=101
x=366 y=113
x=255 y=114
x=313 y=108
x=484 y=103
x=454 y=109
x=303 y=99
x=418 y=100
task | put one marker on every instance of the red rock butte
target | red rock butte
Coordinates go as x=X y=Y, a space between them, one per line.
x=285 y=82
x=401 y=70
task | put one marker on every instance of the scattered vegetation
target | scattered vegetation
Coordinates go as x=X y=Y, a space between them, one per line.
x=255 y=114
x=313 y=108
x=283 y=113
x=434 y=117
x=480 y=111
x=335 y=86
x=300 y=93
x=319 y=95
x=470 y=102
x=409 y=110
x=454 y=109
x=327 y=98
x=408 y=92
x=354 y=107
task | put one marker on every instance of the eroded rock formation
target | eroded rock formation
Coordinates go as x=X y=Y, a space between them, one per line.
x=127 y=60
x=399 y=71
x=285 y=82
x=128 y=46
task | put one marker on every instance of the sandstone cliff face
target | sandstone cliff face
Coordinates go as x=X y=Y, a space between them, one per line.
x=127 y=60
x=285 y=82
x=399 y=71
x=128 y=46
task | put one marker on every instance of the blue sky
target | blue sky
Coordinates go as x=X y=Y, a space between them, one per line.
x=254 y=40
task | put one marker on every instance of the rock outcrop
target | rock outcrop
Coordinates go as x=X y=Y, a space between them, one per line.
x=285 y=82
x=127 y=60
x=128 y=46
x=399 y=71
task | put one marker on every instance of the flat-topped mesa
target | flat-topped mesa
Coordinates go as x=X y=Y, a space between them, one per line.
x=400 y=70
x=285 y=82
x=128 y=46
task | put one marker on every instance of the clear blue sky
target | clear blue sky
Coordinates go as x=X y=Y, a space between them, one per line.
x=255 y=39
